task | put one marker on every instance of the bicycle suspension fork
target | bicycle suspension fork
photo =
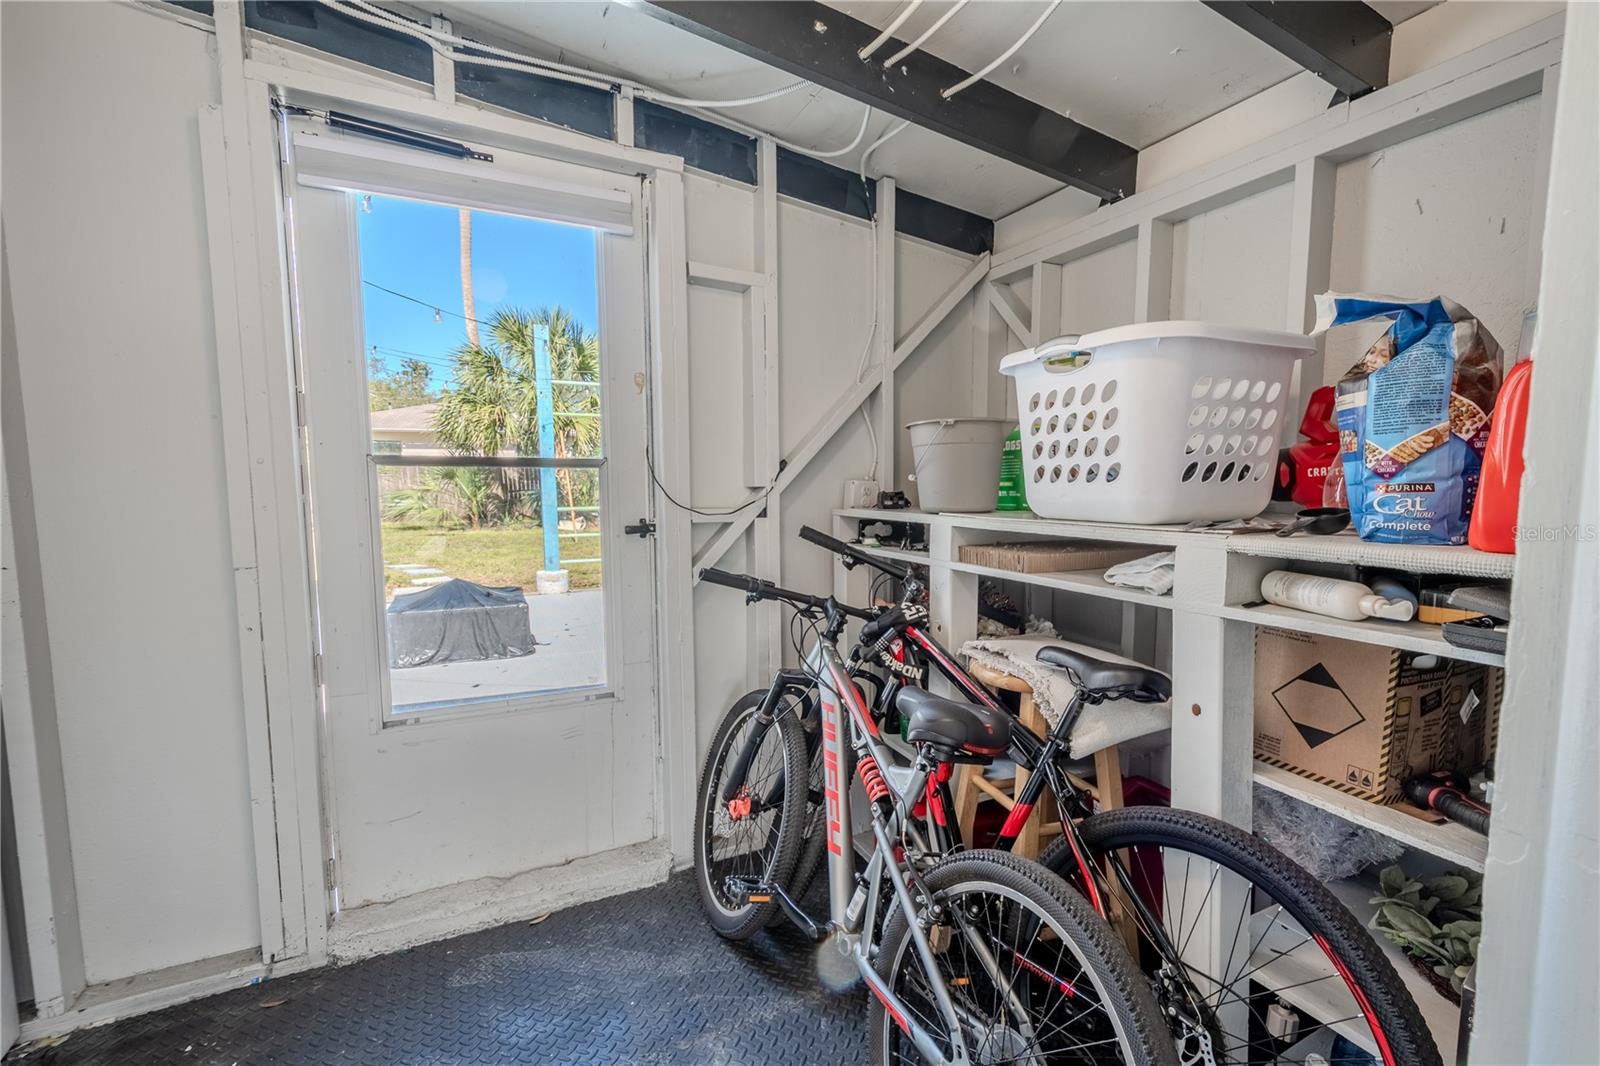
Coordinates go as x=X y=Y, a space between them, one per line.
x=796 y=681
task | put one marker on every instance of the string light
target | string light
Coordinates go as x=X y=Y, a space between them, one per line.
x=438 y=315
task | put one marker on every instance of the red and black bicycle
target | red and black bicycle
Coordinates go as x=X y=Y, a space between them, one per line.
x=1250 y=958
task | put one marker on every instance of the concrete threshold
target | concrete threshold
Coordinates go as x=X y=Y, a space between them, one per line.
x=379 y=928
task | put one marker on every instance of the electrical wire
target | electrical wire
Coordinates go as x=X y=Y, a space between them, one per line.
x=979 y=75
x=505 y=58
x=772 y=486
x=866 y=116
x=938 y=23
x=888 y=31
x=879 y=143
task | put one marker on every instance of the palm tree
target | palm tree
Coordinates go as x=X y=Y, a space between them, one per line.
x=493 y=406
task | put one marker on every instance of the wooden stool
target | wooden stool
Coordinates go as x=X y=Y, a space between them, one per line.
x=972 y=787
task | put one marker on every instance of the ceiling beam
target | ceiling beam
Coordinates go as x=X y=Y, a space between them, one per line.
x=1343 y=42
x=816 y=42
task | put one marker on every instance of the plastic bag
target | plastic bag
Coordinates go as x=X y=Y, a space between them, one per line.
x=1413 y=416
x=1329 y=847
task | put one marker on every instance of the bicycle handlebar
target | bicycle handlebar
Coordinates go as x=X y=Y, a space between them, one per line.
x=766 y=590
x=839 y=547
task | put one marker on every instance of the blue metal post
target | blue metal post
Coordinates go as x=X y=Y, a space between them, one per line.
x=545 y=395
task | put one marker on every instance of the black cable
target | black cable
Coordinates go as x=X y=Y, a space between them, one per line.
x=772 y=486
x=424 y=303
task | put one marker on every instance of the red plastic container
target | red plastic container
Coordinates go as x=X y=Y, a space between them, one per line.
x=1493 y=527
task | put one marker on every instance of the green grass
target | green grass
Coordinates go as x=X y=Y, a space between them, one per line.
x=494 y=555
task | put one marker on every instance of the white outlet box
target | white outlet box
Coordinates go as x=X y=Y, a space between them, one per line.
x=860 y=493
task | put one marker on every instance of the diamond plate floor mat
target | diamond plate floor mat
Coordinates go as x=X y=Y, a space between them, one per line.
x=639 y=978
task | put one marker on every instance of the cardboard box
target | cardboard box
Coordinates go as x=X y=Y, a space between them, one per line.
x=1358 y=718
x=1051 y=557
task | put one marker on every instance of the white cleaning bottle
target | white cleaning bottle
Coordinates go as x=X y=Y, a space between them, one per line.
x=1350 y=600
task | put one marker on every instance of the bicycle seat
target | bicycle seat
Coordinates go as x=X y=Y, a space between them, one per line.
x=1102 y=680
x=961 y=726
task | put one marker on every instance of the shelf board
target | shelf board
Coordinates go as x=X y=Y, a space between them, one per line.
x=1346 y=547
x=1087 y=582
x=1447 y=840
x=899 y=555
x=1026 y=522
x=878 y=514
x=1310 y=983
x=1442 y=1016
x=1407 y=636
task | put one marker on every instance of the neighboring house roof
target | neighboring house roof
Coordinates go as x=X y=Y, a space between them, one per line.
x=417 y=419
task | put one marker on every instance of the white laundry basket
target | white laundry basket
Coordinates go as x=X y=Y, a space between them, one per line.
x=1154 y=423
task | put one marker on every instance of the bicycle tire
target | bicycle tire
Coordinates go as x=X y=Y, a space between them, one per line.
x=783 y=838
x=1144 y=1037
x=1391 y=1012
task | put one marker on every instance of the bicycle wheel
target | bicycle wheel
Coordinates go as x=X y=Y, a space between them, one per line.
x=1275 y=968
x=1034 y=976
x=756 y=835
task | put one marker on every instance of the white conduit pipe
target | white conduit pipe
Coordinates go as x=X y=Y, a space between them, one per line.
x=436 y=39
x=888 y=31
x=866 y=116
x=929 y=32
x=879 y=143
x=1003 y=56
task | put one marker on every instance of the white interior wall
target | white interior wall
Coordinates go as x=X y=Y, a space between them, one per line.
x=1097 y=290
x=149 y=681
x=1448 y=213
x=1227 y=263
x=825 y=298
x=103 y=215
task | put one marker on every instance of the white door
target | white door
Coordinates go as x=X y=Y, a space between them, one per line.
x=478 y=721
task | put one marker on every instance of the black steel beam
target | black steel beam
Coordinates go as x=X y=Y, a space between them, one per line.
x=815 y=42
x=1344 y=42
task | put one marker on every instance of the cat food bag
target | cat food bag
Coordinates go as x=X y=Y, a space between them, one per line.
x=1413 y=416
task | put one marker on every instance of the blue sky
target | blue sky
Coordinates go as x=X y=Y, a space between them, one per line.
x=414 y=248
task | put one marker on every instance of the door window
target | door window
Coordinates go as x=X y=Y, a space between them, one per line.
x=483 y=354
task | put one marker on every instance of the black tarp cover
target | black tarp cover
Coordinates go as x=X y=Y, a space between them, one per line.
x=458 y=621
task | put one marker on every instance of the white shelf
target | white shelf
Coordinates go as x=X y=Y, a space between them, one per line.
x=1447 y=840
x=1407 y=636
x=1027 y=523
x=1348 y=548
x=899 y=555
x=1310 y=983
x=1087 y=582
x=879 y=514
x=1442 y=1016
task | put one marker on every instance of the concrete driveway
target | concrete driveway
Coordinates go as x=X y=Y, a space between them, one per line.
x=571 y=653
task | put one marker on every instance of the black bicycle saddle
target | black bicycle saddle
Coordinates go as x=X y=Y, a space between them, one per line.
x=1102 y=680
x=964 y=727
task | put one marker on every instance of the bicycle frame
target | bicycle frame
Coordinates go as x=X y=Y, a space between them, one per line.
x=845 y=714
x=1038 y=755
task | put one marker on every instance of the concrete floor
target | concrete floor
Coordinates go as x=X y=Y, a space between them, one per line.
x=571 y=653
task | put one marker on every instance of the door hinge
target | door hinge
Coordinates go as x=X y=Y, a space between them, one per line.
x=300 y=408
x=316 y=669
x=641 y=529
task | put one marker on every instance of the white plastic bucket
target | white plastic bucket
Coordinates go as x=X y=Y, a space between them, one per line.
x=1154 y=423
x=956 y=462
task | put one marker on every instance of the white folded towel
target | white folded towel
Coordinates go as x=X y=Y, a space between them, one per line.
x=1150 y=572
